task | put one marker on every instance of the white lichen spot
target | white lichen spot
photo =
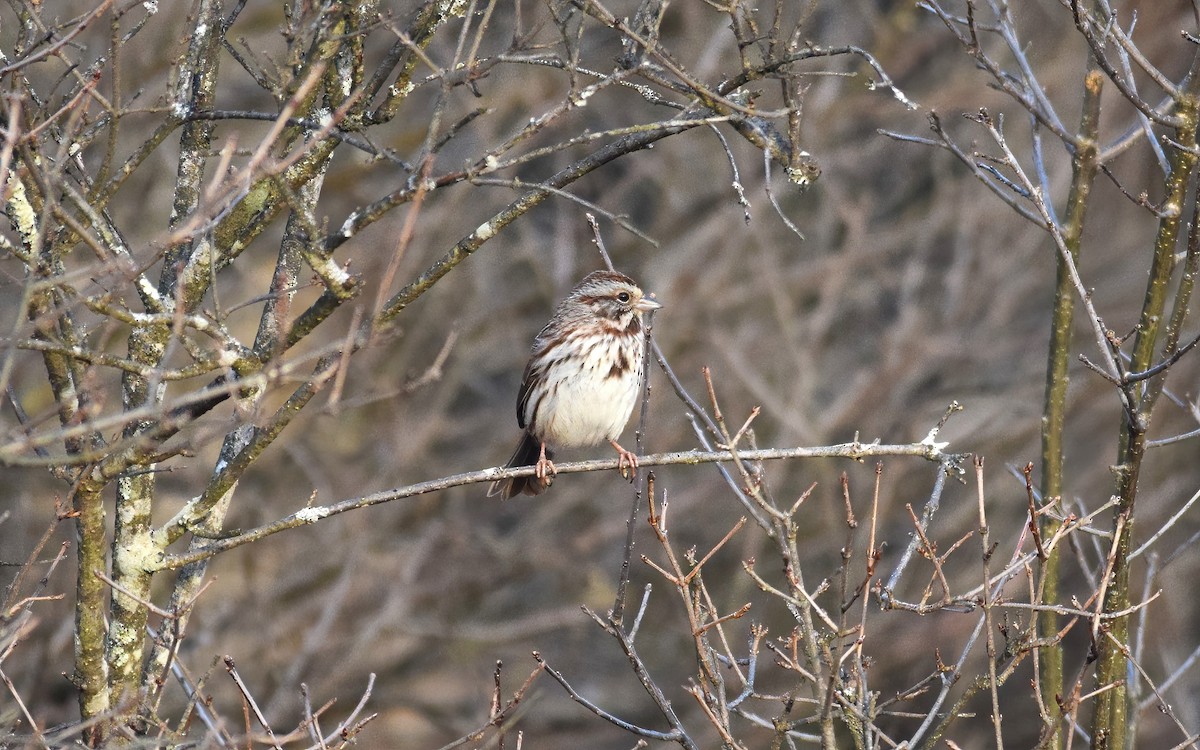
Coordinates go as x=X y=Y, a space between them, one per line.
x=311 y=515
x=139 y=553
x=491 y=162
x=20 y=210
x=151 y=291
x=74 y=149
x=485 y=231
x=332 y=273
x=324 y=118
x=201 y=29
x=799 y=177
x=456 y=8
x=339 y=275
x=151 y=6
x=226 y=358
x=401 y=91
x=931 y=441
x=241 y=438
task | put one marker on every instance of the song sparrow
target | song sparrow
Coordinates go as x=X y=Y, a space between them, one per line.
x=582 y=380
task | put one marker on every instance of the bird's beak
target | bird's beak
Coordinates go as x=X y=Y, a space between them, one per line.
x=646 y=304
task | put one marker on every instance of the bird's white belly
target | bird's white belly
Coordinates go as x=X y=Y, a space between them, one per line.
x=587 y=407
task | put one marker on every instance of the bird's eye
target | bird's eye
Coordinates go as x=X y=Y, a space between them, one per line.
x=623 y=296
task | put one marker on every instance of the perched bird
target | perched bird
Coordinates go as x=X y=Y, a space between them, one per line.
x=582 y=380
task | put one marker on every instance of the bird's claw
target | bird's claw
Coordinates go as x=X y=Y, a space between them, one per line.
x=544 y=468
x=627 y=462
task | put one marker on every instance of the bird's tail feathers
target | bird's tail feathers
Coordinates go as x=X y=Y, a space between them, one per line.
x=528 y=452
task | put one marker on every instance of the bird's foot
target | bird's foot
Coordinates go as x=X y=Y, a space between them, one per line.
x=544 y=466
x=627 y=461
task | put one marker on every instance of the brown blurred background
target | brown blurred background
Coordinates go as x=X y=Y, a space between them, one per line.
x=912 y=288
